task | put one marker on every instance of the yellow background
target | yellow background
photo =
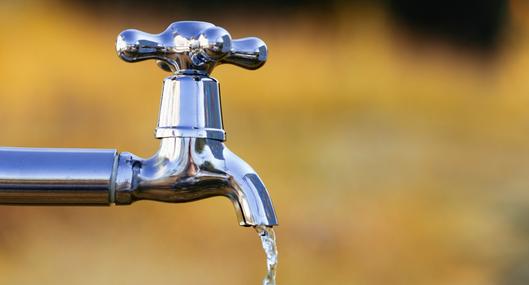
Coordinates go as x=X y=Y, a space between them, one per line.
x=390 y=158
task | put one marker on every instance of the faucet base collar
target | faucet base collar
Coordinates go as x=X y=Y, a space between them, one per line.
x=181 y=132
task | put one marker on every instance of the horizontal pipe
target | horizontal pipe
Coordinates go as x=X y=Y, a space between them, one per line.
x=48 y=176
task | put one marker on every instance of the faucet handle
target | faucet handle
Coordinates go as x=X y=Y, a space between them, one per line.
x=191 y=47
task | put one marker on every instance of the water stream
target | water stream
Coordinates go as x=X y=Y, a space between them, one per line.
x=268 y=240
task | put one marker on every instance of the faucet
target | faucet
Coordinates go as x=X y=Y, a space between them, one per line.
x=192 y=162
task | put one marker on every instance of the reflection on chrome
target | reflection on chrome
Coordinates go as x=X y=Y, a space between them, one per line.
x=192 y=163
x=193 y=46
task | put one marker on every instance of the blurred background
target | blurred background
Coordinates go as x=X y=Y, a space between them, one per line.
x=393 y=136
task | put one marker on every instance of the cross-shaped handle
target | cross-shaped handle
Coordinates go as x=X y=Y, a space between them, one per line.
x=191 y=47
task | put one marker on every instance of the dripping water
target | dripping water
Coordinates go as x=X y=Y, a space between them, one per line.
x=268 y=240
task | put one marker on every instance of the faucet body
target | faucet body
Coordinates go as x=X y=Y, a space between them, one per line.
x=188 y=169
x=192 y=162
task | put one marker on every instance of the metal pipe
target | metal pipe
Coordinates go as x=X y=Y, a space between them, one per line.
x=56 y=176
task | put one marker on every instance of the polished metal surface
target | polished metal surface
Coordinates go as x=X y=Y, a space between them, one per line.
x=188 y=169
x=192 y=163
x=190 y=107
x=191 y=47
x=56 y=176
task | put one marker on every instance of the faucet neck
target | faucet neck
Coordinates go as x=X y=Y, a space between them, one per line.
x=190 y=107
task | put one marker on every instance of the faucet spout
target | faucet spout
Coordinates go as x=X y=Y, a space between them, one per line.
x=248 y=193
x=187 y=169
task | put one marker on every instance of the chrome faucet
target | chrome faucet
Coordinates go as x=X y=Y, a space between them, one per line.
x=192 y=163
